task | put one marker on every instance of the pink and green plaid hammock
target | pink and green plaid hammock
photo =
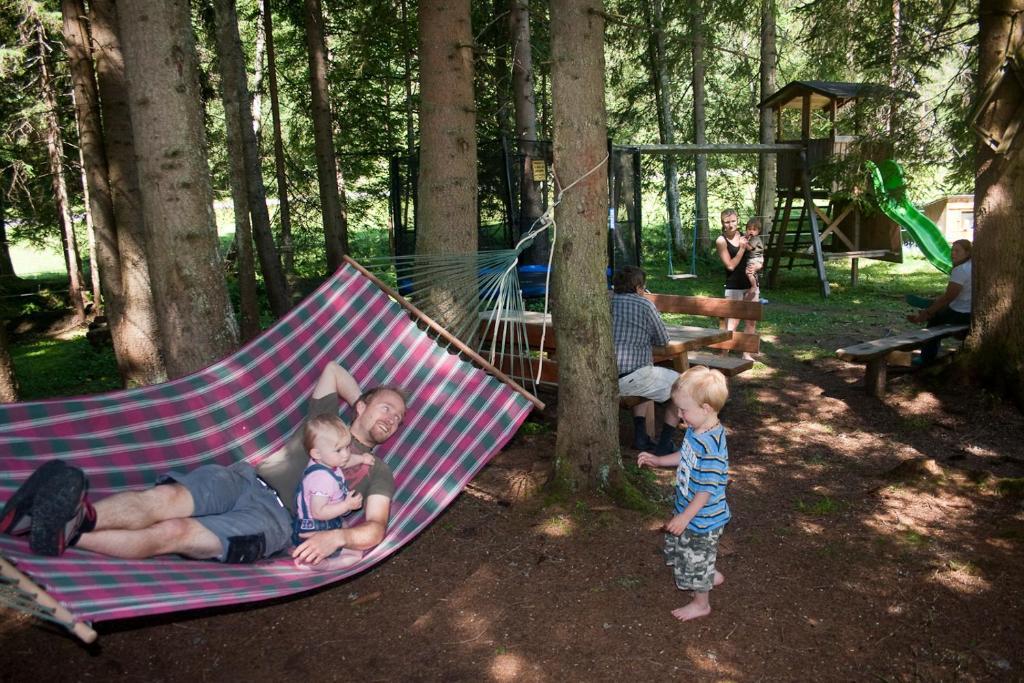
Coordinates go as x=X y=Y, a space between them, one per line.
x=244 y=408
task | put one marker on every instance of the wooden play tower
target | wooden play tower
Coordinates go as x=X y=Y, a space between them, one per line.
x=810 y=225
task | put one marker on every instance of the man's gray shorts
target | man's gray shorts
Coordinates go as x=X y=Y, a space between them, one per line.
x=651 y=381
x=692 y=558
x=239 y=508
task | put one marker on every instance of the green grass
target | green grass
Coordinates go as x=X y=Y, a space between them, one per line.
x=796 y=308
x=823 y=507
x=63 y=367
x=798 y=322
x=33 y=262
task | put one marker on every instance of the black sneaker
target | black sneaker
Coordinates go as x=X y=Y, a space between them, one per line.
x=15 y=519
x=60 y=512
x=642 y=442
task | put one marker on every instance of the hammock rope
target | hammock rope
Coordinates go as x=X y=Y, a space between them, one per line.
x=245 y=407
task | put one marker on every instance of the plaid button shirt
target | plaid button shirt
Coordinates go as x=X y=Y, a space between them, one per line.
x=636 y=327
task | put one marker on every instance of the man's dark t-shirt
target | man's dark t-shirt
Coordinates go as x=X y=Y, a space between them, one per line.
x=283 y=472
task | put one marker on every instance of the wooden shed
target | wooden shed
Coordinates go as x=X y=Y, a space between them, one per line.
x=954 y=216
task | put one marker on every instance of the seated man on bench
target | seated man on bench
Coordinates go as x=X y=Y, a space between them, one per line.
x=953 y=306
x=636 y=327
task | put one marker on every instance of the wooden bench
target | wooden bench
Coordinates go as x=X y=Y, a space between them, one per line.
x=875 y=354
x=720 y=309
x=683 y=339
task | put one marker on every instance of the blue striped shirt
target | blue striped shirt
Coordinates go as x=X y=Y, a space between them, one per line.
x=704 y=467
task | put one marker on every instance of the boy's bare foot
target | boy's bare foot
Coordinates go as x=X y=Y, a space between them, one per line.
x=691 y=611
x=719 y=578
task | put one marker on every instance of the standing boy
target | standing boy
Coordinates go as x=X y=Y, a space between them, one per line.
x=702 y=471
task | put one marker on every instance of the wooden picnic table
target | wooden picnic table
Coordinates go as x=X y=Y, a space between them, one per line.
x=682 y=338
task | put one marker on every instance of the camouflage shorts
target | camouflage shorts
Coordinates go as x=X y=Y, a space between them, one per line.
x=692 y=558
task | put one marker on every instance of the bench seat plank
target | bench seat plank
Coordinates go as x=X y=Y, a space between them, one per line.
x=911 y=340
x=728 y=365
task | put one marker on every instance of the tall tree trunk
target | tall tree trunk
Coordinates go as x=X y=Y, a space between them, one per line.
x=446 y=221
x=237 y=107
x=586 y=449
x=284 y=208
x=701 y=160
x=8 y=380
x=196 y=321
x=90 y=231
x=335 y=230
x=55 y=150
x=136 y=335
x=258 y=74
x=997 y=335
x=407 y=56
x=503 y=103
x=6 y=265
x=658 y=65
x=99 y=209
x=767 y=162
x=525 y=98
x=895 y=40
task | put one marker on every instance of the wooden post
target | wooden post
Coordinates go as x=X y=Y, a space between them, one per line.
x=874 y=377
x=805 y=119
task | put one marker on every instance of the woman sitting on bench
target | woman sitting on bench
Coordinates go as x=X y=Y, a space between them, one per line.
x=953 y=306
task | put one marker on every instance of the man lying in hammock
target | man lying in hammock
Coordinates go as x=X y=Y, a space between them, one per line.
x=231 y=514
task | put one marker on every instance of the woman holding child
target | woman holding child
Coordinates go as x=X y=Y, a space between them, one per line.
x=734 y=252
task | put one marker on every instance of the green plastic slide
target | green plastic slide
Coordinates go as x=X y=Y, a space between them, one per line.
x=890 y=195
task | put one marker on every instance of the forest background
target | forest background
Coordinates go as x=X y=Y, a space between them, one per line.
x=323 y=100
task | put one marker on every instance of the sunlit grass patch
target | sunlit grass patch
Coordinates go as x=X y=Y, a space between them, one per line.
x=629 y=582
x=822 y=507
x=63 y=367
x=964 y=567
x=532 y=428
x=913 y=538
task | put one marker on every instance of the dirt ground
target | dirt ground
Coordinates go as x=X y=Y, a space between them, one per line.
x=870 y=541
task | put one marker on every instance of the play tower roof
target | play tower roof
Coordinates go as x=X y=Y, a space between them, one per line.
x=822 y=94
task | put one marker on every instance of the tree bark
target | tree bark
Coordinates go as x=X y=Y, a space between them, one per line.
x=446 y=220
x=99 y=207
x=767 y=162
x=280 y=173
x=658 y=65
x=335 y=228
x=525 y=99
x=701 y=160
x=586 y=449
x=6 y=265
x=55 y=150
x=258 y=73
x=197 y=324
x=229 y=49
x=407 y=81
x=136 y=336
x=94 y=267
x=238 y=112
x=996 y=342
x=503 y=103
x=8 y=380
